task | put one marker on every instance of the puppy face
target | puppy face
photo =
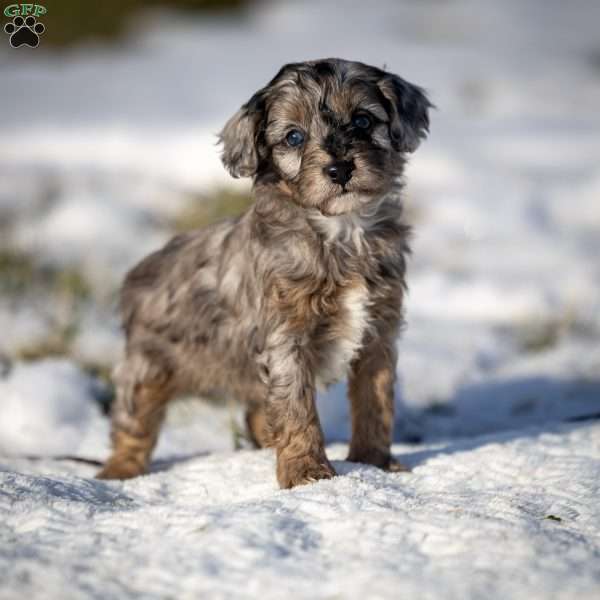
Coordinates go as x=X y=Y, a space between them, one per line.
x=333 y=134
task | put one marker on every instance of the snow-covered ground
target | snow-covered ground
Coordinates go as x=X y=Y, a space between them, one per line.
x=102 y=148
x=513 y=515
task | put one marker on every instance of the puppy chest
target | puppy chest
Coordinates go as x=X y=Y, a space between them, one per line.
x=341 y=335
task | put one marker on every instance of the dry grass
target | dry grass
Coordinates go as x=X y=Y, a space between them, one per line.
x=20 y=273
x=206 y=209
x=539 y=335
x=70 y=22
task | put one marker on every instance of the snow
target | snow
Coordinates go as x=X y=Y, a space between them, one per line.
x=499 y=366
x=51 y=408
x=45 y=407
x=506 y=516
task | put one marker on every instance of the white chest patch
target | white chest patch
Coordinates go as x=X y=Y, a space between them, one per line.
x=345 y=229
x=351 y=326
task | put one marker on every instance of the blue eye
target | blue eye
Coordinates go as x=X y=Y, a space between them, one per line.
x=294 y=137
x=361 y=121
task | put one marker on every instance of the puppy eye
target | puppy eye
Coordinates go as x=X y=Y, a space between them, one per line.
x=361 y=121
x=294 y=137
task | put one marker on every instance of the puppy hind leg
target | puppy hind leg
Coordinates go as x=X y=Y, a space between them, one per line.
x=137 y=414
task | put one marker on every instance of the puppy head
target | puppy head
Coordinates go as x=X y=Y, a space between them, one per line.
x=335 y=133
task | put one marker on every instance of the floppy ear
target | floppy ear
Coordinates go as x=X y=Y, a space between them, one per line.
x=409 y=112
x=240 y=138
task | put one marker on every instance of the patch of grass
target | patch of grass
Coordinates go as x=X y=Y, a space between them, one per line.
x=70 y=22
x=57 y=343
x=20 y=273
x=16 y=271
x=61 y=293
x=204 y=210
x=73 y=284
x=539 y=335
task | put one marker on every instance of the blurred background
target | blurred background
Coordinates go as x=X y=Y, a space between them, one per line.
x=108 y=149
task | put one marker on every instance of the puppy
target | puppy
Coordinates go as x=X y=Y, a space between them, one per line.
x=303 y=289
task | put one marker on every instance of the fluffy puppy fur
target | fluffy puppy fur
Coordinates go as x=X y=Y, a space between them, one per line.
x=303 y=289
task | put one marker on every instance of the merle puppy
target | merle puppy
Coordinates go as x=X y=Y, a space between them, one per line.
x=303 y=289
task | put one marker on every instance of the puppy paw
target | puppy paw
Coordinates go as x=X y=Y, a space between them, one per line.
x=120 y=469
x=303 y=470
x=395 y=466
x=382 y=460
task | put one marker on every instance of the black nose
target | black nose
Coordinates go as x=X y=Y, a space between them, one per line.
x=340 y=172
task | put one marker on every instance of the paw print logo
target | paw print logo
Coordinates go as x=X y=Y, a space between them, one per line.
x=24 y=32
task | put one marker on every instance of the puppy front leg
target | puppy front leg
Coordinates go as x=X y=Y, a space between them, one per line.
x=292 y=418
x=371 y=392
